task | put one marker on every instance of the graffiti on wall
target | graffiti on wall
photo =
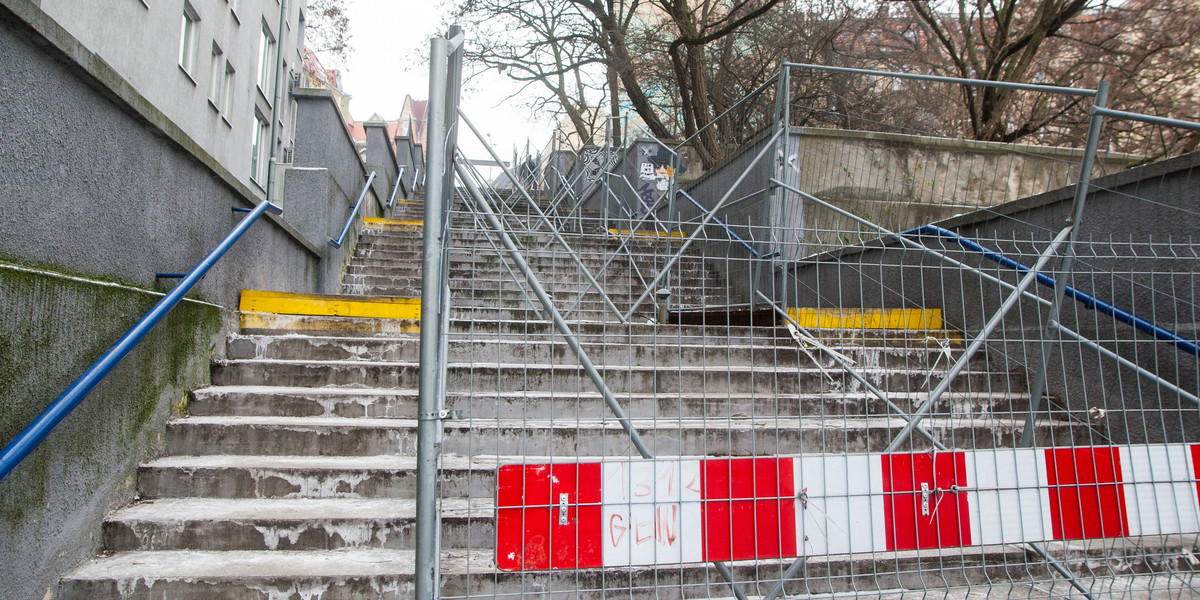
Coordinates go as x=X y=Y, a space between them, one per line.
x=655 y=174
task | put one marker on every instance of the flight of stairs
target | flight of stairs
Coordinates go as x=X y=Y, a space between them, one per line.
x=293 y=475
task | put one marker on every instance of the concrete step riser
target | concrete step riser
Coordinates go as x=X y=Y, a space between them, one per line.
x=537 y=258
x=509 y=294
x=636 y=332
x=765 y=352
x=467 y=245
x=284 y=534
x=591 y=406
x=613 y=274
x=517 y=308
x=571 y=379
x=1001 y=571
x=241 y=483
x=191 y=437
x=592 y=257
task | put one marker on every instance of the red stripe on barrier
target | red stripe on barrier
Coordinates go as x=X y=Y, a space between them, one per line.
x=749 y=508
x=925 y=503
x=529 y=534
x=1086 y=496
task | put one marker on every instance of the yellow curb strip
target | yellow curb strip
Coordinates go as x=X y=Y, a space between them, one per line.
x=330 y=306
x=886 y=318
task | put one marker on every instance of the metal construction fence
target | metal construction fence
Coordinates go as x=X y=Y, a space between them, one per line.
x=792 y=377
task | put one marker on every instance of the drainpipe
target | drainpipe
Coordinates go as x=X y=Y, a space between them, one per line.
x=278 y=102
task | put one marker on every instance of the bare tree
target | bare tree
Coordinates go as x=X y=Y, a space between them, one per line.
x=327 y=29
x=1001 y=41
x=1144 y=48
x=547 y=43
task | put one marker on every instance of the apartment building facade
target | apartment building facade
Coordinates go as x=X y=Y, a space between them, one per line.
x=208 y=65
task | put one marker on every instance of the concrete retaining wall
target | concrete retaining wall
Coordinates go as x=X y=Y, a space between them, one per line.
x=324 y=181
x=98 y=192
x=1156 y=203
x=406 y=160
x=381 y=159
x=901 y=181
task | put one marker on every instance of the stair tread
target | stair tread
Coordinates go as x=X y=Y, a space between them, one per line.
x=816 y=422
x=177 y=510
x=574 y=366
x=549 y=394
x=260 y=564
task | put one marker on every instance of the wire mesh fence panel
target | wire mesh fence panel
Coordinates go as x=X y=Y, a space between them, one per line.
x=783 y=380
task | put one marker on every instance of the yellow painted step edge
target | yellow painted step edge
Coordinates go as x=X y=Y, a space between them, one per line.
x=662 y=234
x=850 y=318
x=329 y=306
x=378 y=222
x=306 y=323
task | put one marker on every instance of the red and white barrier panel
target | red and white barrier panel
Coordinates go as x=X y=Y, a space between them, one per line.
x=668 y=511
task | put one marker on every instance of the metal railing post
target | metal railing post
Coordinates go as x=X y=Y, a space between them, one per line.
x=431 y=370
x=1050 y=333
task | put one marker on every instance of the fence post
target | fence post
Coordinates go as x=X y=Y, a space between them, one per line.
x=443 y=85
x=1050 y=333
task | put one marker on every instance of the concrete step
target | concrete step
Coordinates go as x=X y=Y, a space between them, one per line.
x=223 y=524
x=636 y=332
x=487 y=256
x=465 y=243
x=462 y=241
x=385 y=476
x=526 y=377
x=616 y=272
x=333 y=436
x=264 y=401
x=553 y=349
x=354 y=574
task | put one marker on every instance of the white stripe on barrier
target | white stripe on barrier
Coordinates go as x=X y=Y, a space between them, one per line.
x=1159 y=492
x=841 y=509
x=1006 y=490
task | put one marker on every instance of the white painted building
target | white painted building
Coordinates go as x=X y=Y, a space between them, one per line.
x=207 y=65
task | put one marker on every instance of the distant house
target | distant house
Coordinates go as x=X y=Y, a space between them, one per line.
x=317 y=76
x=410 y=124
x=412 y=119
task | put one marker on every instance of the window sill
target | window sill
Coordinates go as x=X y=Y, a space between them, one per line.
x=236 y=18
x=263 y=95
x=189 y=75
x=226 y=119
x=213 y=105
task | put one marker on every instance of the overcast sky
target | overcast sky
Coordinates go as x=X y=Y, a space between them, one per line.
x=385 y=65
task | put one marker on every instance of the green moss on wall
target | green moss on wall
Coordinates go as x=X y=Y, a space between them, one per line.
x=51 y=330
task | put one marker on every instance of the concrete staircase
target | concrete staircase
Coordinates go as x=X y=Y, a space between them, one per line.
x=293 y=475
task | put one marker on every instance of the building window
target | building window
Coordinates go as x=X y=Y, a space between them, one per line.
x=259 y=149
x=226 y=103
x=216 y=77
x=189 y=38
x=266 y=62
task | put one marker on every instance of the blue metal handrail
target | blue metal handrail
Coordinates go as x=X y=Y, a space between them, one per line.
x=33 y=434
x=1087 y=300
x=718 y=221
x=395 y=188
x=337 y=243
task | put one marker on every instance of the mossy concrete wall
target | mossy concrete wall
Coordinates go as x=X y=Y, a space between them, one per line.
x=98 y=192
x=51 y=329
